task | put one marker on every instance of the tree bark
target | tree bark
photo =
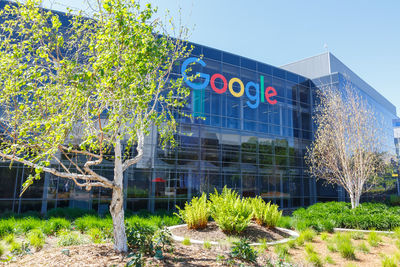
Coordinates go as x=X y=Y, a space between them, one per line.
x=117 y=203
x=355 y=200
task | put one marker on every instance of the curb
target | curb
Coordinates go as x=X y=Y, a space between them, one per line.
x=361 y=231
x=293 y=235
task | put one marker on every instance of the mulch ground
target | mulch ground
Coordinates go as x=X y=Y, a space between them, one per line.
x=254 y=233
x=197 y=255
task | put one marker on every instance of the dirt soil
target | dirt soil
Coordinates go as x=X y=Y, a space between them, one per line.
x=212 y=232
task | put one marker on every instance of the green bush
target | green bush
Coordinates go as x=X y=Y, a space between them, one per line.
x=265 y=214
x=285 y=222
x=7 y=226
x=67 y=238
x=231 y=213
x=326 y=216
x=24 y=225
x=68 y=213
x=140 y=237
x=88 y=222
x=196 y=213
x=53 y=225
x=242 y=250
x=36 y=238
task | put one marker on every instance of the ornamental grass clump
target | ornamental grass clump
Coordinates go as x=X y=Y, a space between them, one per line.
x=36 y=238
x=231 y=213
x=196 y=213
x=265 y=214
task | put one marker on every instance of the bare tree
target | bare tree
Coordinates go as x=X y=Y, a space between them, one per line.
x=348 y=146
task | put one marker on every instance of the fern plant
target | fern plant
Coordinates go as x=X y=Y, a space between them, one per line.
x=230 y=212
x=196 y=213
x=265 y=214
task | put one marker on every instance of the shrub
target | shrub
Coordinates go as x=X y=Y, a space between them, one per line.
x=36 y=238
x=326 y=216
x=161 y=238
x=196 y=213
x=140 y=237
x=26 y=224
x=53 y=225
x=67 y=238
x=285 y=222
x=186 y=241
x=265 y=214
x=373 y=239
x=231 y=213
x=7 y=226
x=89 y=222
x=242 y=250
x=363 y=248
x=68 y=213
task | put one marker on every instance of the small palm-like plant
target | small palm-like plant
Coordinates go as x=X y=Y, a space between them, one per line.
x=265 y=214
x=196 y=213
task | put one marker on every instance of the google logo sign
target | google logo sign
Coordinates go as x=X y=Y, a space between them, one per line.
x=254 y=99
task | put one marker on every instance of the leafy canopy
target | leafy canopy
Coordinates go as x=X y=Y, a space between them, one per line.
x=75 y=87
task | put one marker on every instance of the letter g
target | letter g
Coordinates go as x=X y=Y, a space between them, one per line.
x=206 y=77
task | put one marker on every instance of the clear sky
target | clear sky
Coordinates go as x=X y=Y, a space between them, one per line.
x=364 y=35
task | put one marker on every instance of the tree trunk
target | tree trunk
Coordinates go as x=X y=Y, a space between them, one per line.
x=355 y=200
x=117 y=203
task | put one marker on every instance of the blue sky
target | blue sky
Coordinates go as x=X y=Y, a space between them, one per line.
x=364 y=35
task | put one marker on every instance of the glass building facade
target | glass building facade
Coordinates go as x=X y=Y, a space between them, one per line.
x=254 y=149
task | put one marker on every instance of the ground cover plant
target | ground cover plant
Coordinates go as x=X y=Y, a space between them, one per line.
x=326 y=216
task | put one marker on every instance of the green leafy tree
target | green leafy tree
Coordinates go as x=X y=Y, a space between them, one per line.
x=73 y=94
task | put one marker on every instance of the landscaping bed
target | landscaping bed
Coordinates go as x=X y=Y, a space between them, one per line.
x=254 y=233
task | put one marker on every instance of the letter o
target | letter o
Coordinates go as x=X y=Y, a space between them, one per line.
x=212 y=83
x=236 y=80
